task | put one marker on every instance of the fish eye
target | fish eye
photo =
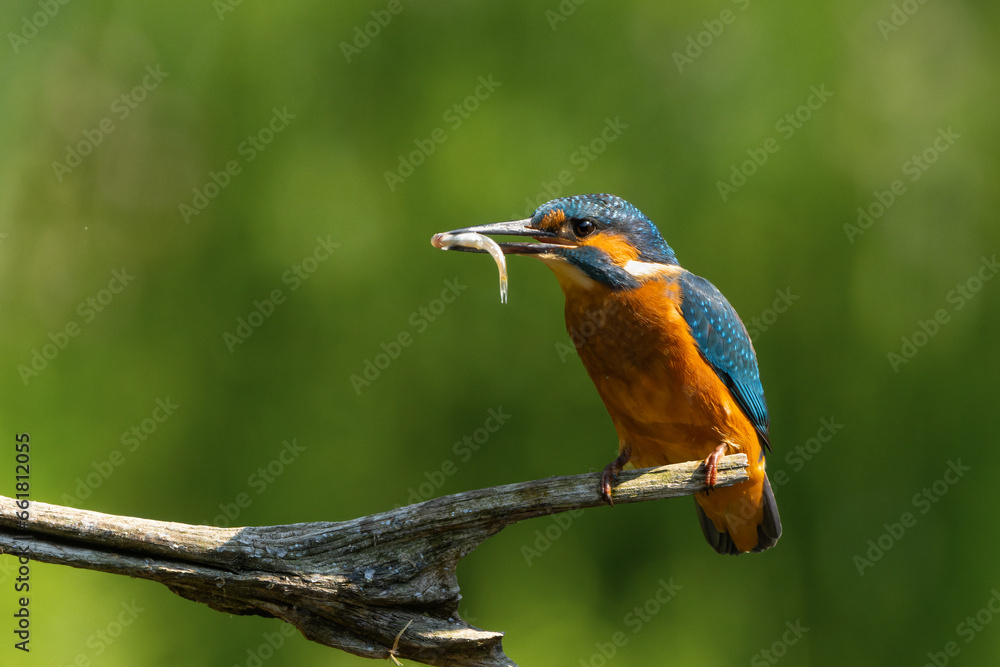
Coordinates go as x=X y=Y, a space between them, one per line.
x=583 y=228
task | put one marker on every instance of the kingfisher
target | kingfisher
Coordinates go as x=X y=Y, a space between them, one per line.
x=668 y=354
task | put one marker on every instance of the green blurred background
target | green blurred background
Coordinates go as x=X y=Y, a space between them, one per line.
x=692 y=90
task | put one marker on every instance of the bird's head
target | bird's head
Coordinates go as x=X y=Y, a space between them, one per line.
x=588 y=238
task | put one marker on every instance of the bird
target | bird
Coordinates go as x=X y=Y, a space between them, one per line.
x=667 y=352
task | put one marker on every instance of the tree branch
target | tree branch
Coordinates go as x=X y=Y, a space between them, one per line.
x=353 y=585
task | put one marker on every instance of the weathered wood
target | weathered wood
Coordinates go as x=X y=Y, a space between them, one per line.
x=353 y=585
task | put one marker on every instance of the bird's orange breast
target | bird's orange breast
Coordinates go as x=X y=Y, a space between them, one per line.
x=668 y=405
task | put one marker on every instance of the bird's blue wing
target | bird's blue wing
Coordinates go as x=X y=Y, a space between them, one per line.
x=725 y=344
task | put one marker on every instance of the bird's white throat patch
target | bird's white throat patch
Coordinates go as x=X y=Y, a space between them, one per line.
x=571 y=277
x=640 y=270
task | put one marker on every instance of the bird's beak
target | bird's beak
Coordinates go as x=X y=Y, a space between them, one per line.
x=547 y=240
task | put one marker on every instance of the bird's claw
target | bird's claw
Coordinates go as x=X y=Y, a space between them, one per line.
x=604 y=487
x=611 y=473
x=712 y=466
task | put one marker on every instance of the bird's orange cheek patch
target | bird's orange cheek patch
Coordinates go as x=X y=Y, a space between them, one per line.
x=552 y=221
x=618 y=249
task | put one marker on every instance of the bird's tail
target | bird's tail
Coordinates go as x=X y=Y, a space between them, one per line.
x=768 y=529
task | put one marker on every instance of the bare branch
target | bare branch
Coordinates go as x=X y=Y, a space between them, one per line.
x=377 y=586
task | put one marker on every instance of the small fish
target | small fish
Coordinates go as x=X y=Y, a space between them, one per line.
x=475 y=241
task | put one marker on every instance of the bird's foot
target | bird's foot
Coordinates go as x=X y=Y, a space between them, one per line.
x=712 y=466
x=611 y=473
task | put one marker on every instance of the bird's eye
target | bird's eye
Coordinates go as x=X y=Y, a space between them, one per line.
x=583 y=228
